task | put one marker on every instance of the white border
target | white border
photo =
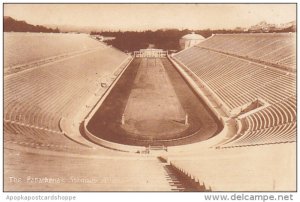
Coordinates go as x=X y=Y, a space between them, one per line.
x=132 y=196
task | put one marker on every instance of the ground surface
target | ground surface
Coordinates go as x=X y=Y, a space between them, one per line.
x=154 y=99
x=153 y=109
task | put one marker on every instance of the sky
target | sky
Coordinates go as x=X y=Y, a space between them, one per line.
x=152 y=16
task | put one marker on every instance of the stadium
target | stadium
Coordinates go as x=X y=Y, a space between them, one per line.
x=219 y=115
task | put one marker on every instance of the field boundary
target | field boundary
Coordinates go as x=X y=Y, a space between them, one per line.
x=223 y=134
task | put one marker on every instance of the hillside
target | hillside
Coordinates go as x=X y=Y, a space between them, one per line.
x=12 y=25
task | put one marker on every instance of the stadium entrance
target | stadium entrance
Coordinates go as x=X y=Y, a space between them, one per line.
x=150 y=53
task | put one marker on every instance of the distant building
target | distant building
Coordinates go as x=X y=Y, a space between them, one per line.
x=240 y=29
x=266 y=27
x=190 y=40
x=108 y=38
x=103 y=38
x=150 y=53
x=291 y=25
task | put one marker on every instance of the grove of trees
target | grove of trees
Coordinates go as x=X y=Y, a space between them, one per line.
x=167 y=39
x=12 y=25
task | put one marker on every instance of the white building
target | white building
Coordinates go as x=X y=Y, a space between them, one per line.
x=103 y=38
x=150 y=52
x=190 y=40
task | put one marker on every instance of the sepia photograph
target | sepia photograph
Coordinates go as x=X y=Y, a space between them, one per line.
x=149 y=97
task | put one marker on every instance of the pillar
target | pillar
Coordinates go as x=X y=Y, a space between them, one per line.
x=123 y=119
x=186 y=120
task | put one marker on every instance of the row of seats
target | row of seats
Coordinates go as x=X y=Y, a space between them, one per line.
x=42 y=46
x=260 y=168
x=92 y=172
x=272 y=48
x=34 y=137
x=273 y=115
x=37 y=99
x=273 y=124
x=238 y=82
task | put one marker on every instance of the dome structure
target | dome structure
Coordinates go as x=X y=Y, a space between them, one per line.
x=193 y=36
x=189 y=40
